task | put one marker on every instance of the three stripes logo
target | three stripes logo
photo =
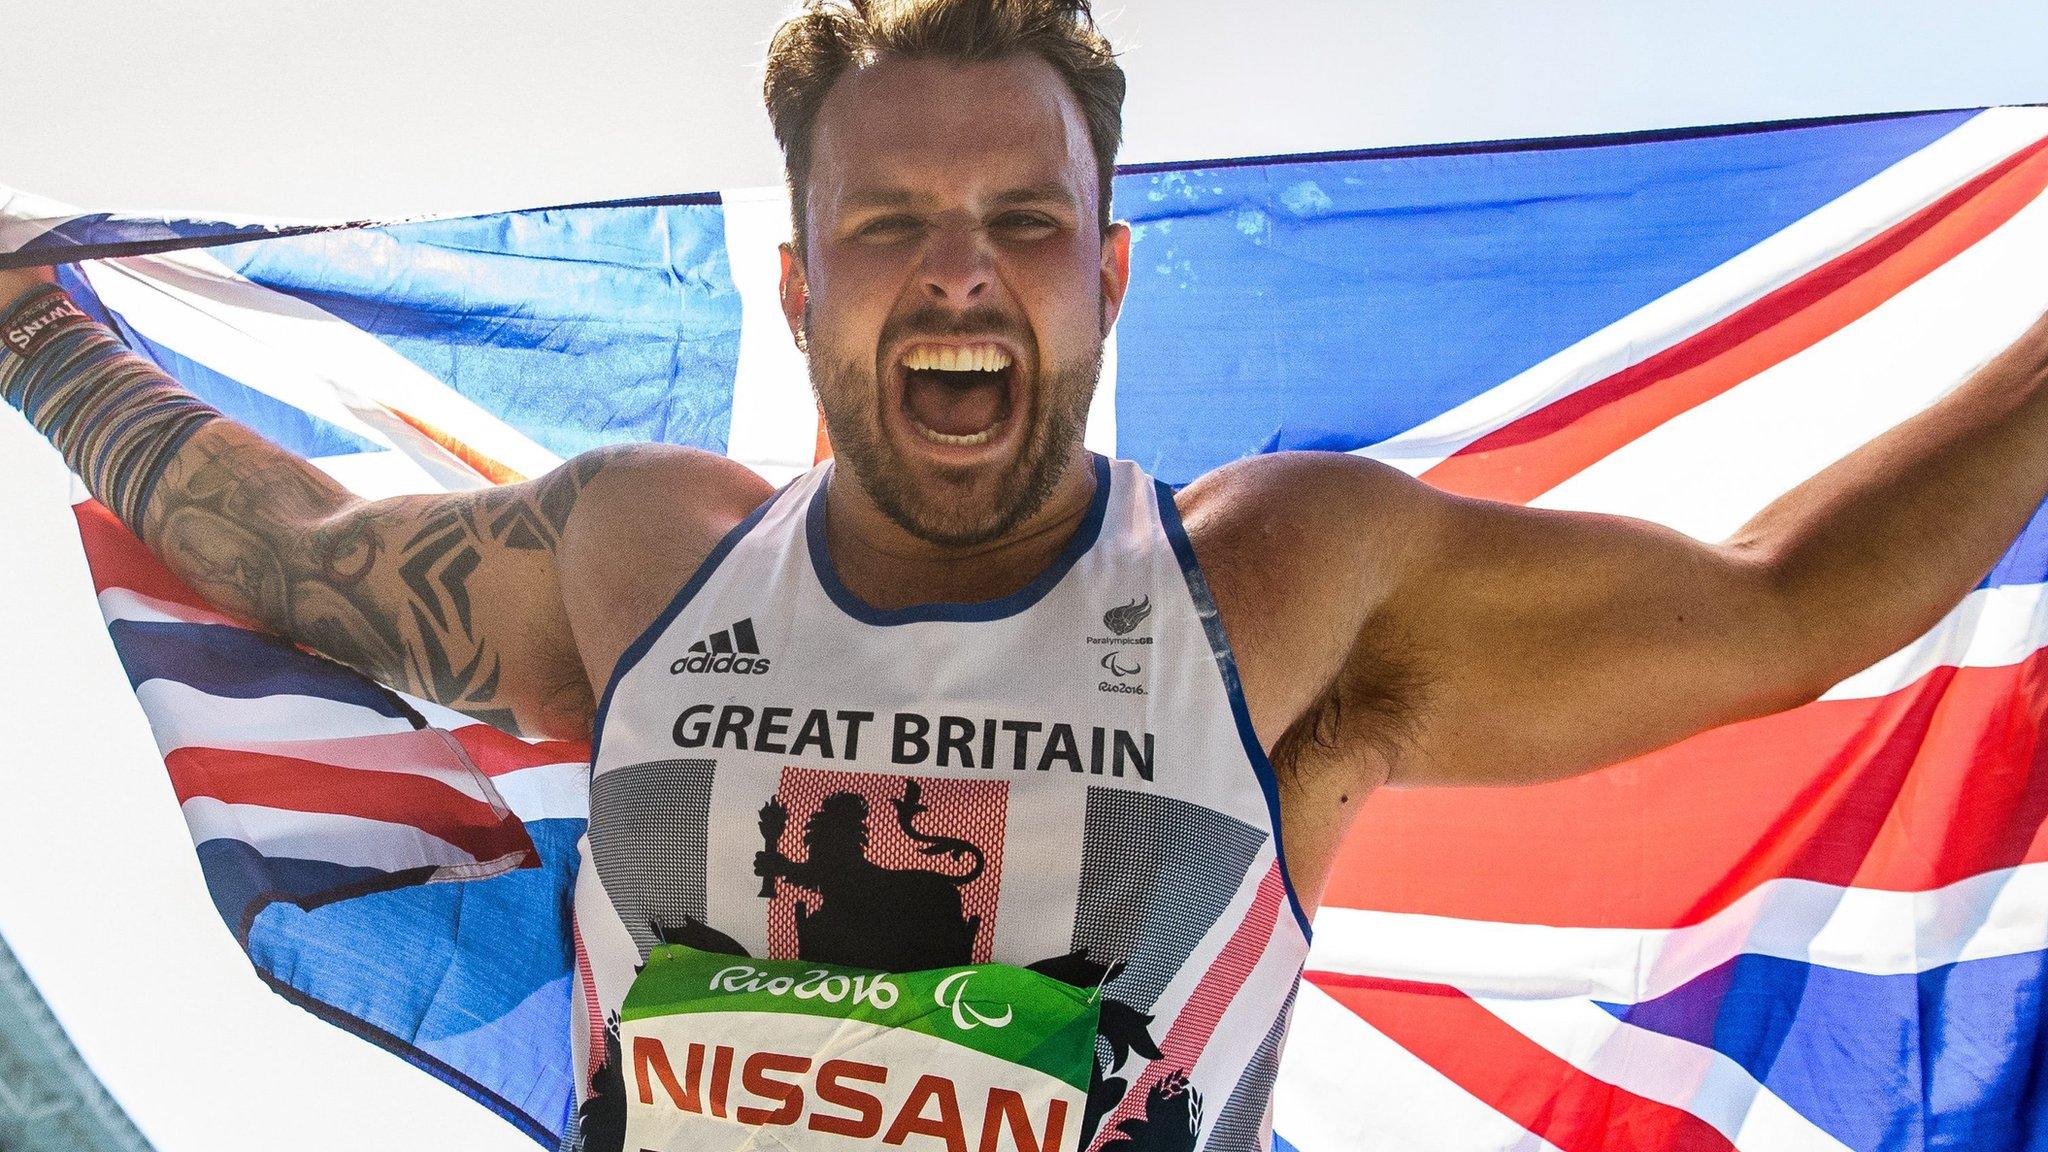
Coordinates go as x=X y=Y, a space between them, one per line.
x=731 y=649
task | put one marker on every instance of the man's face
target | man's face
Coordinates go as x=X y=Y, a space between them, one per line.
x=955 y=289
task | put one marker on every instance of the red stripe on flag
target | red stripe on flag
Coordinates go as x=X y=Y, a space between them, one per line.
x=483 y=465
x=308 y=786
x=1526 y=458
x=1196 y=1022
x=1513 y=1074
x=119 y=560
x=424 y=750
x=1935 y=783
x=497 y=753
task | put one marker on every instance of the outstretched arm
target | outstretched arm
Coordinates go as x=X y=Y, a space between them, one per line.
x=1442 y=640
x=452 y=597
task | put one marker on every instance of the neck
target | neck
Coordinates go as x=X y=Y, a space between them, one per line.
x=888 y=567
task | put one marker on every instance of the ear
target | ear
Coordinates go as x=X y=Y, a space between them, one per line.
x=795 y=292
x=1116 y=271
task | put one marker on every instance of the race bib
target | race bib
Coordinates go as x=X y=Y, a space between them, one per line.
x=723 y=1052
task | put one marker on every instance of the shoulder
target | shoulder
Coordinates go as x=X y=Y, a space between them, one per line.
x=620 y=477
x=1291 y=528
x=1302 y=491
x=644 y=519
x=1300 y=549
x=641 y=491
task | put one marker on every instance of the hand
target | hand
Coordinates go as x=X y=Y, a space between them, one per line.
x=18 y=282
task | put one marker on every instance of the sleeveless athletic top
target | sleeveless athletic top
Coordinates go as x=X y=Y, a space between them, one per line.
x=1064 y=778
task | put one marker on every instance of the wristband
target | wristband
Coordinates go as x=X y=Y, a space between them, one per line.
x=113 y=415
x=38 y=318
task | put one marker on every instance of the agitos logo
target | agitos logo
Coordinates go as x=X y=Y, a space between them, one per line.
x=952 y=993
x=731 y=649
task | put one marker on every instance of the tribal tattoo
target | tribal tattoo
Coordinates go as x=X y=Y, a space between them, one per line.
x=390 y=587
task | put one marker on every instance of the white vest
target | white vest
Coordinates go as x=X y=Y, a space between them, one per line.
x=1070 y=767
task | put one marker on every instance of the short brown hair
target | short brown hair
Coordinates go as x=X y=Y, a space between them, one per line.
x=816 y=46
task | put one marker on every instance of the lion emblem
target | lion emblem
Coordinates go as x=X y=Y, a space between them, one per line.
x=867 y=915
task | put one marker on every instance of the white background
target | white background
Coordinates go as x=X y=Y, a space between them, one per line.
x=381 y=108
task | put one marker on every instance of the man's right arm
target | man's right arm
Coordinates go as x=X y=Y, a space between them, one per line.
x=453 y=597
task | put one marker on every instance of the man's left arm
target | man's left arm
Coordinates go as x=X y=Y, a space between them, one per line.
x=1420 y=638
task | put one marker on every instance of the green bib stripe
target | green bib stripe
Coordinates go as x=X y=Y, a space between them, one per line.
x=1012 y=1014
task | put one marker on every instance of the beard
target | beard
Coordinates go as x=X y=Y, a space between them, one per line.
x=956 y=508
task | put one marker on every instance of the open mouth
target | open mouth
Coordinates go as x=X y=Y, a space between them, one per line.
x=957 y=395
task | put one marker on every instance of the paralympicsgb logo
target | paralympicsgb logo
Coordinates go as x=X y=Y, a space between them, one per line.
x=731 y=649
x=1125 y=617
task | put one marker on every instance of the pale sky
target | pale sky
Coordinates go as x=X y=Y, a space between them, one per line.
x=386 y=108
x=390 y=107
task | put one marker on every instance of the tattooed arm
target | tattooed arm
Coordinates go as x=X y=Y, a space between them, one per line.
x=454 y=597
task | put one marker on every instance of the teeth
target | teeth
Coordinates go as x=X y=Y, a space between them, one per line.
x=937 y=437
x=954 y=358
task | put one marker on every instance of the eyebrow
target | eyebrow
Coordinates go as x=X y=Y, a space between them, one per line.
x=1037 y=194
x=879 y=198
x=1047 y=193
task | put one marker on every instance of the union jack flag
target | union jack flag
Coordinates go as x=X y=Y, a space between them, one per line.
x=1825 y=929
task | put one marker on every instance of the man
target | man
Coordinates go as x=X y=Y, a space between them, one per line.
x=941 y=703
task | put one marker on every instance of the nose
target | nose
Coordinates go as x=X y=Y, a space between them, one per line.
x=957 y=268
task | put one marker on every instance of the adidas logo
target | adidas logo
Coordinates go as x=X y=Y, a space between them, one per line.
x=731 y=649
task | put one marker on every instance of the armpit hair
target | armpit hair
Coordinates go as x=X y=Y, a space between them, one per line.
x=1371 y=707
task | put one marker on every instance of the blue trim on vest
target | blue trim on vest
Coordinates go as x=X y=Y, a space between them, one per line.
x=1226 y=664
x=958 y=612
x=637 y=651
